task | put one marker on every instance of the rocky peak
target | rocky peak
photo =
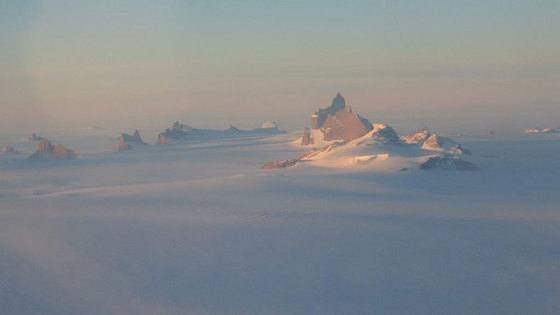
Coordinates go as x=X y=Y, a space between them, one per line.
x=269 y=125
x=47 y=151
x=134 y=138
x=307 y=139
x=178 y=131
x=384 y=134
x=419 y=137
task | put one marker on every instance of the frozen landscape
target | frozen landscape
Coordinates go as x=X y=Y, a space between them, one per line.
x=197 y=226
x=279 y=157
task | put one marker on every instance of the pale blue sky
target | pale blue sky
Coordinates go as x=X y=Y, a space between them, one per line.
x=208 y=63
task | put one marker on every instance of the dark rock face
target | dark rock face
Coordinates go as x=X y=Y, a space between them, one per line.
x=35 y=137
x=47 y=151
x=8 y=149
x=177 y=132
x=280 y=164
x=462 y=150
x=337 y=122
x=385 y=135
x=344 y=125
x=134 y=138
x=448 y=163
x=307 y=139
x=434 y=141
x=232 y=128
x=419 y=137
x=337 y=104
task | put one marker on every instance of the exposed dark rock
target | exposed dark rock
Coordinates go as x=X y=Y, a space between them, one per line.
x=47 y=151
x=385 y=134
x=177 y=132
x=445 y=162
x=419 y=137
x=134 y=138
x=321 y=115
x=344 y=125
x=337 y=122
x=434 y=142
x=307 y=139
x=232 y=128
x=462 y=150
x=280 y=164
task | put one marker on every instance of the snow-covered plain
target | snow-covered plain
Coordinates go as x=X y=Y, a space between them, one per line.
x=198 y=227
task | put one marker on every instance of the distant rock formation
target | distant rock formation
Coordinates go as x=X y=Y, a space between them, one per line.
x=434 y=142
x=232 y=128
x=338 y=122
x=134 y=138
x=384 y=134
x=269 y=125
x=307 y=139
x=419 y=137
x=321 y=115
x=489 y=133
x=47 y=151
x=543 y=130
x=446 y=162
x=280 y=164
x=123 y=146
x=35 y=137
x=8 y=149
x=177 y=132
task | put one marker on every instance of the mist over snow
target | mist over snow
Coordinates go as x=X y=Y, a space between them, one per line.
x=197 y=227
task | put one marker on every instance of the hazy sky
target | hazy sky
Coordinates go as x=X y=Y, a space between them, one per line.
x=208 y=63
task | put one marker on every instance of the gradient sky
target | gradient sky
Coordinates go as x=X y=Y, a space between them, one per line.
x=134 y=63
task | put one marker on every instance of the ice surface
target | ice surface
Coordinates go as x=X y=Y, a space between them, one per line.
x=198 y=227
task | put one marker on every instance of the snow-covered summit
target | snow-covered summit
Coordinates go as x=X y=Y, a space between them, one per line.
x=269 y=125
x=542 y=130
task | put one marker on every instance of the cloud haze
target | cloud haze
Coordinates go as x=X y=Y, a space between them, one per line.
x=142 y=63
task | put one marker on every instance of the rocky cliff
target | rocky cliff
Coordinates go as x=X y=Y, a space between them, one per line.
x=47 y=151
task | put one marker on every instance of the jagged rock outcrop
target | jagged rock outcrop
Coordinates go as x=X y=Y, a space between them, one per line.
x=177 y=132
x=321 y=115
x=384 y=134
x=543 y=130
x=269 y=125
x=232 y=128
x=47 y=151
x=134 y=138
x=35 y=137
x=446 y=162
x=434 y=142
x=307 y=139
x=338 y=122
x=419 y=137
x=8 y=149
x=280 y=164
x=344 y=125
